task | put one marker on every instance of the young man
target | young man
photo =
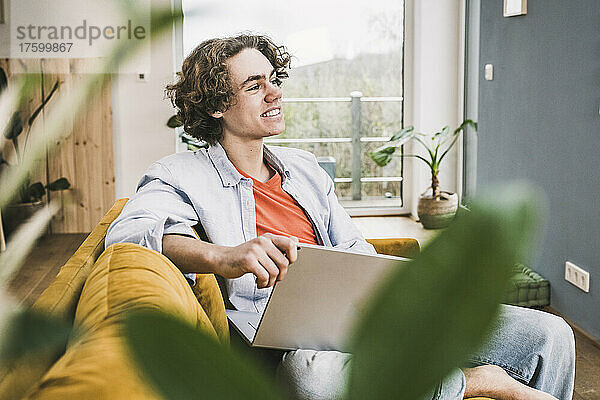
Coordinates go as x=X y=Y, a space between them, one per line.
x=253 y=203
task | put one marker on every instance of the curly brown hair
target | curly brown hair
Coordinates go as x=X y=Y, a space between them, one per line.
x=204 y=85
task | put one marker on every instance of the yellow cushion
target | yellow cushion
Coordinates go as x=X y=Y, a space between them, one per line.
x=97 y=367
x=399 y=247
x=211 y=301
x=59 y=299
x=126 y=277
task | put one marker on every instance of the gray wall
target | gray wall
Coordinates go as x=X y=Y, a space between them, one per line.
x=539 y=120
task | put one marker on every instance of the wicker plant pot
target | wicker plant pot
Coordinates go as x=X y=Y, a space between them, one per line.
x=436 y=213
x=15 y=214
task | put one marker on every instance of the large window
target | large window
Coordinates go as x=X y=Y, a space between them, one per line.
x=344 y=95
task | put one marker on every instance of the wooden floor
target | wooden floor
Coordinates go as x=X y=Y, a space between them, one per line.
x=587 y=367
x=52 y=251
x=42 y=265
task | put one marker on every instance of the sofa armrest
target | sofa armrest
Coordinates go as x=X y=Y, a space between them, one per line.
x=209 y=296
x=126 y=277
x=129 y=277
x=399 y=247
x=59 y=300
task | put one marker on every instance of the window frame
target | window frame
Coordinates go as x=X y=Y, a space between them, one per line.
x=406 y=168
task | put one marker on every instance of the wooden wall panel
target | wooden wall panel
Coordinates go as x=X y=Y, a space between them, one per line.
x=82 y=201
x=107 y=145
x=15 y=67
x=59 y=156
x=86 y=157
x=84 y=154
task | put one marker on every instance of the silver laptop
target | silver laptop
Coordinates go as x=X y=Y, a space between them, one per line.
x=316 y=305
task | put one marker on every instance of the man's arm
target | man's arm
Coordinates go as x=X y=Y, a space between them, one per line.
x=160 y=215
x=158 y=208
x=267 y=257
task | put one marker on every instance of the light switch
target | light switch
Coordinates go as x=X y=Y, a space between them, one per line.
x=489 y=72
x=515 y=7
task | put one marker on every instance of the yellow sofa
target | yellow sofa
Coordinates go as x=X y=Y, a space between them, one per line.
x=94 y=290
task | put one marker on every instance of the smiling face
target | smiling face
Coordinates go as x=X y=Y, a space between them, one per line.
x=256 y=112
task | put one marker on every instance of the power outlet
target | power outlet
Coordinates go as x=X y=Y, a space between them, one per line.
x=577 y=276
x=141 y=77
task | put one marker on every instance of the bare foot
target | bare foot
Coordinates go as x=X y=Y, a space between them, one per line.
x=493 y=381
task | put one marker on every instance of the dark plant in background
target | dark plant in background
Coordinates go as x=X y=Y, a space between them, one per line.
x=437 y=209
x=18 y=123
x=436 y=145
x=191 y=142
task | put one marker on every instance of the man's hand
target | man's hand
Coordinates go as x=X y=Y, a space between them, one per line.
x=267 y=257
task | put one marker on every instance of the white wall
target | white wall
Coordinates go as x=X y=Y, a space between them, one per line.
x=433 y=84
x=140 y=113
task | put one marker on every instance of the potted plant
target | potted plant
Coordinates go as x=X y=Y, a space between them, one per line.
x=436 y=208
x=191 y=142
x=29 y=197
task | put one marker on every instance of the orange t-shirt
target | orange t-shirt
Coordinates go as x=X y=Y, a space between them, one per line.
x=278 y=213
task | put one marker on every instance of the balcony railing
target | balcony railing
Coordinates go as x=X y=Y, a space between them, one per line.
x=355 y=99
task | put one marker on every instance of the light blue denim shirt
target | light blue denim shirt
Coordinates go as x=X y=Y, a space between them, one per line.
x=203 y=187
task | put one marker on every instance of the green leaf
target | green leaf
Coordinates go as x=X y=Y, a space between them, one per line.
x=399 y=138
x=185 y=363
x=11 y=99
x=439 y=138
x=426 y=161
x=193 y=143
x=174 y=122
x=427 y=148
x=455 y=136
x=448 y=149
x=3 y=80
x=59 y=184
x=30 y=331
x=445 y=131
x=406 y=131
x=35 y=191
x=428 y=316
x=465 y=123
x=15 y=127
x=41 y=106
x=383 y=156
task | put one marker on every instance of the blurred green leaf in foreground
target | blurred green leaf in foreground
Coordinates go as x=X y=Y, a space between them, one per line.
x=184 y=363
x=425 y=319
x=30 y=331
x=23 y=332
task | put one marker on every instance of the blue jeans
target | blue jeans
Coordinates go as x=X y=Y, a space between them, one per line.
x=534 y=347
